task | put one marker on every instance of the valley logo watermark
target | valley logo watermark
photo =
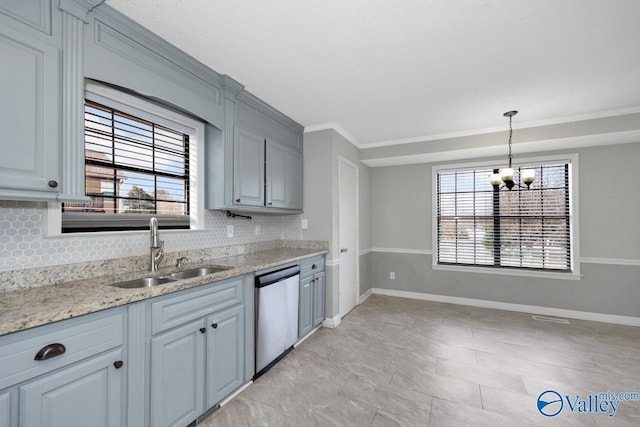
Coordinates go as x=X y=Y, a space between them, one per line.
x=551 y=403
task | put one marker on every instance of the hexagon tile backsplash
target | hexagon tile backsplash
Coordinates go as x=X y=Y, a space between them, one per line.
x=23 y=243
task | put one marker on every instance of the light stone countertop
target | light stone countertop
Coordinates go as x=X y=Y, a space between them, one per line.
x=28 y=308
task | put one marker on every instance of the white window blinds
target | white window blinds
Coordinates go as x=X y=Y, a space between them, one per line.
x=519 y=228
x=134 y=169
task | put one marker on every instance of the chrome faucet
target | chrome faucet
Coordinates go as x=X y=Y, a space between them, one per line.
x=156 y=245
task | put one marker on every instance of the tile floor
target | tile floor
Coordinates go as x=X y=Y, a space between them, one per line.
x=401 y=362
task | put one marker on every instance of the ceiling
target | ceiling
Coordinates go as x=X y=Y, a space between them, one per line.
x=383 y=71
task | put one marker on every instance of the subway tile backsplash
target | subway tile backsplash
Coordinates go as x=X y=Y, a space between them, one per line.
x=23 y=243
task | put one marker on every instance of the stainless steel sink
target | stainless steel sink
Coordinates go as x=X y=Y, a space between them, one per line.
x=148 y=282
x=145 y=282
x=196 y=272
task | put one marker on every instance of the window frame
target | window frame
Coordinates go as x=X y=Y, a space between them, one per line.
x=153 y=112
x=573 y=274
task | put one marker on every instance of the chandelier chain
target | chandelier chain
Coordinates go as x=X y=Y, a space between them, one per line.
x=510 y=133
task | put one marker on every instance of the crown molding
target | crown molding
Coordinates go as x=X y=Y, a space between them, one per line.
x=337 y=128
x=583 y=141
x=79 y=8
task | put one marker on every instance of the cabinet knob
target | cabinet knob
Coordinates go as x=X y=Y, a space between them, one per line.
x=203 y=330
x=53 y=183
x=270 y=203
x=118 y=364
x=49 y=351
x=313 y=267
x=214 y=325
x=237 y=200
x=343 y=250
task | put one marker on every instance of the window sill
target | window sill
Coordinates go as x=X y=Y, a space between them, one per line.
x=99 y=234
x=509 y=272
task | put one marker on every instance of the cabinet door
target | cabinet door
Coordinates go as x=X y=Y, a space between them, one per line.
x=248 y=168
x=177 y=376
x=5 y=409
x=305 y=308
x=29 y=117
x=225 y=353
x=318 y=299
x=87 y=394
x=283 y=176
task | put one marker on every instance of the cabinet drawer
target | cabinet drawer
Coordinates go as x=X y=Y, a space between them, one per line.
x=311 y=266
x=176 y=310
x=81 y=337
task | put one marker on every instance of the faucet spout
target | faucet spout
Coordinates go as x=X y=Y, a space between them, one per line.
x=156 y=245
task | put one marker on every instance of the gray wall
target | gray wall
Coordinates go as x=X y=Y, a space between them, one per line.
x=322 y=150
x=401 y=217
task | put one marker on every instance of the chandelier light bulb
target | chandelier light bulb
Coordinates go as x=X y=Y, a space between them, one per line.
x=528 y=176
x=507 y=174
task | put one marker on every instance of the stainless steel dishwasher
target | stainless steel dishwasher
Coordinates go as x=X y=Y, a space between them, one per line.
x=276 y=316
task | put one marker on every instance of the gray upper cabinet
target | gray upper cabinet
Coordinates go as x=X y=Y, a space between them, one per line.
x=248 y=168
x=283 y=177
x=256 y=167
x=29 y=117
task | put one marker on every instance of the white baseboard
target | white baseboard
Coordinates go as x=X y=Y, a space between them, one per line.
x=235 y=393
x=332 y=322
x=306 y=336
x=364 y=296
x=533 y=309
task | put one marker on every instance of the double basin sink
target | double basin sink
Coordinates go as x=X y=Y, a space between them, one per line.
x=147 y=282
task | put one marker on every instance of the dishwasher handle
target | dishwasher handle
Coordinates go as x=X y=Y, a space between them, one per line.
x=276 y=276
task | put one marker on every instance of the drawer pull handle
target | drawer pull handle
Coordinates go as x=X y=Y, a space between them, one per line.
x=49 y=351
x=118 y=364
x=52 y=183
x=214 y=325
x=237 y=200
x=203 y=330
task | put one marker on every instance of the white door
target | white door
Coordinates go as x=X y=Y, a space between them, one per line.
x=348 y=238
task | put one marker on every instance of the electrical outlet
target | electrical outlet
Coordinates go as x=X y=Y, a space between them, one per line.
x=305 y=223
x=229 y=230
x=392 y=275
x=257 y=229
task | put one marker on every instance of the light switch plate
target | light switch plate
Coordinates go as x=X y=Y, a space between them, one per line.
x=305 y=223
x=229 y=230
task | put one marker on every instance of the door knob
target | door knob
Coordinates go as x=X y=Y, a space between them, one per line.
x=343 y=250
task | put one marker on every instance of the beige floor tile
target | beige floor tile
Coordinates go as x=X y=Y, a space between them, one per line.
x=445 y=413
x=401 y=362
x=388 y=419
x=481 y=376
x=398 y=400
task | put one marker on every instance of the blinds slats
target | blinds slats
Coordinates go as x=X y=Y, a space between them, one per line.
x=134 y=169
x=521 y=228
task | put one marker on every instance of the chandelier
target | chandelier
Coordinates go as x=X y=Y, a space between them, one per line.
x=506 y=175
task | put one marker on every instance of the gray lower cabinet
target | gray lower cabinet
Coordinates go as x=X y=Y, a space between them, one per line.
x=177 y=375
x=66 y=374
x=225 y=354
x=86 y=394
x=312 y=295
x=318 y=298
x=197 y=350
x=30 y=121
x=5 y=409
x=305 y=307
